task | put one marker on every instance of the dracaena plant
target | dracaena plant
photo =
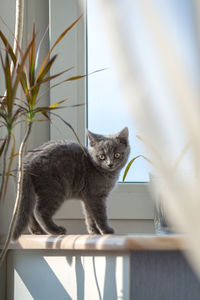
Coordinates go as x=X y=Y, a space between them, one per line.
x=21 y=69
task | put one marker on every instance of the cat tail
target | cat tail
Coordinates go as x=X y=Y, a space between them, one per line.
x=26 y=207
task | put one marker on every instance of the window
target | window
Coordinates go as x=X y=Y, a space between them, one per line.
x=128 y=201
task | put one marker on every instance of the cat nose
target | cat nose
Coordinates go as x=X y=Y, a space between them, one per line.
x=110 y=165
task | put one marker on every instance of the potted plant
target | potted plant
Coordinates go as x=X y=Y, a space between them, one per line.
x=21 y=70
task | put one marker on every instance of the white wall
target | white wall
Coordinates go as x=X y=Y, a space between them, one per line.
x=68 y=275
x=40 y=132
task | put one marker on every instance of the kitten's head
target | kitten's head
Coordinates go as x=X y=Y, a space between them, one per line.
x=109 y=152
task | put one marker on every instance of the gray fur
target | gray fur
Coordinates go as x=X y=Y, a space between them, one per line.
x=57 y=171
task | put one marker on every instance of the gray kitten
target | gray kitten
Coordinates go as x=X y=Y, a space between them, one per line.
x=57 y=171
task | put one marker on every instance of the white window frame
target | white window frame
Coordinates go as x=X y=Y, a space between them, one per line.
x=128 y=201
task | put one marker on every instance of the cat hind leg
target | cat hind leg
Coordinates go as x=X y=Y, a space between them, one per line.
x=50 y=196
x=44 y=216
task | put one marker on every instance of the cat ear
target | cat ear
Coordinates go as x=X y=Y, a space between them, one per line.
x=123 y=136
x=94 y=138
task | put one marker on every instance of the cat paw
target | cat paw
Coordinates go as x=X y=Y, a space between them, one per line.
x=94 y=231
x=15 y=236
x=108 y=230
x=61 y=230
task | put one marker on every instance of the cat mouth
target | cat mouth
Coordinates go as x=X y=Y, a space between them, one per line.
x=108 y=168
x=111 y=168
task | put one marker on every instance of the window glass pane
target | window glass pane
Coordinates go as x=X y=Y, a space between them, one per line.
x=107 y=111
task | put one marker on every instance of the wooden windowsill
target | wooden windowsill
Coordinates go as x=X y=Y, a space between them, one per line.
x=97 y=242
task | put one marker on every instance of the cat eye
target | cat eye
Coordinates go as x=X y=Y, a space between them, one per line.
x=117 y=155
x=101 y=156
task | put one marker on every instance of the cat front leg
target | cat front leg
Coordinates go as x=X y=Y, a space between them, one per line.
x=97 y=210
x=89 y=221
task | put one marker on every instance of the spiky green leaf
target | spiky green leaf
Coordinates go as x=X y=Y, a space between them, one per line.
x=8 y=83
x=58 y=103
x=57 y=42
x=20 y=67
x=46 y=69
x=2 y=146
x=32 y=61
x=8 y=47
x=24 y=84
x=129 y=165
x=49 y=78
x=73 y=78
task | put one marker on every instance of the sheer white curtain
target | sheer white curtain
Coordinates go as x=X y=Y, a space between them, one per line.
x=155 y=47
